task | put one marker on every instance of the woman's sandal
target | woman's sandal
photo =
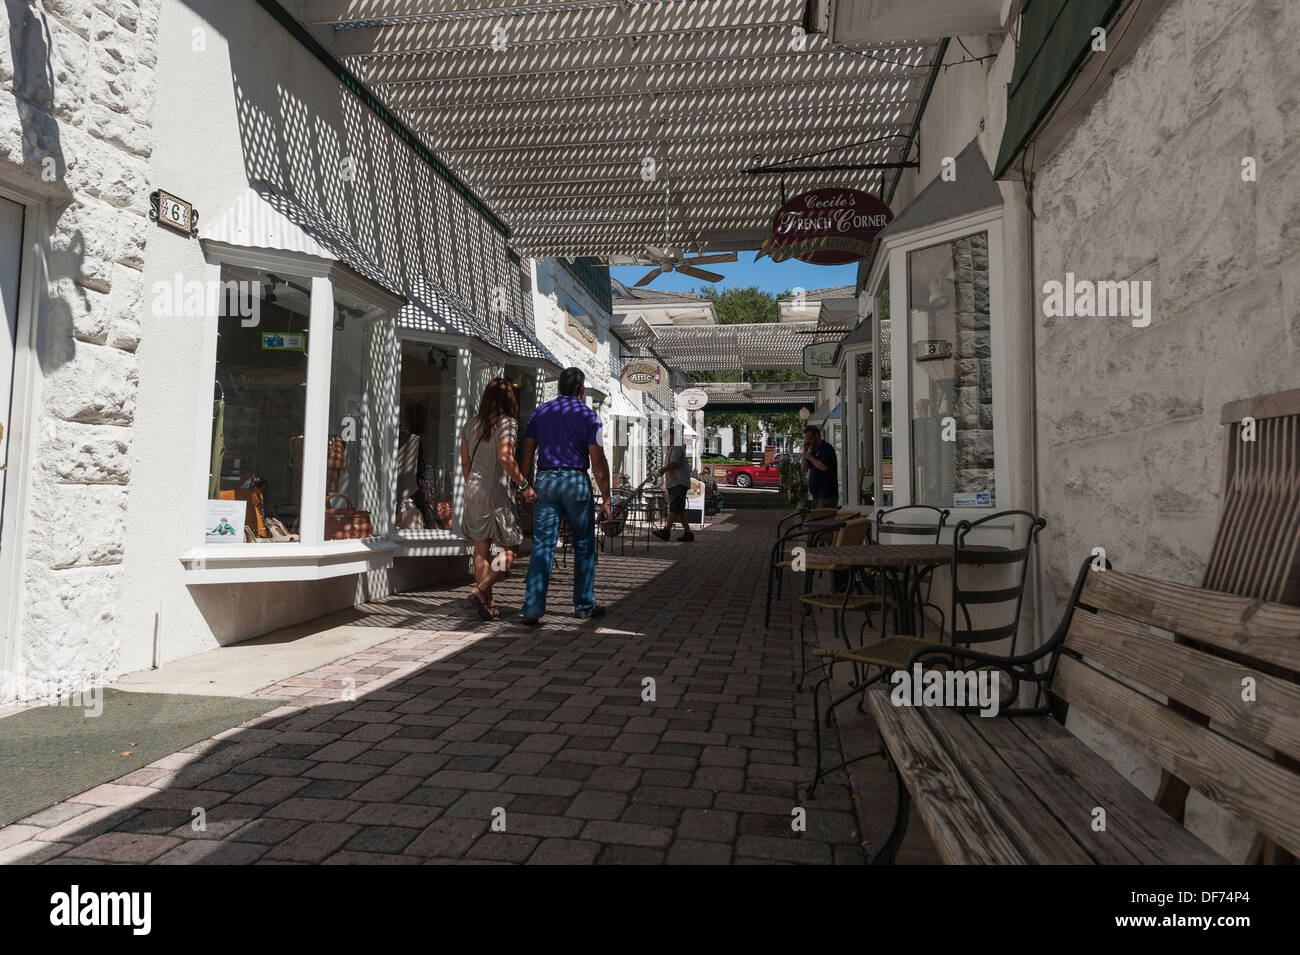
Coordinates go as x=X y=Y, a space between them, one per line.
x=478 y=603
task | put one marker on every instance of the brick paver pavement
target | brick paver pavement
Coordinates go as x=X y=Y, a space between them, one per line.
x=460 y=740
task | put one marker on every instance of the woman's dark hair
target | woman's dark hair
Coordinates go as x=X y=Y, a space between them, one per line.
x=498 y=402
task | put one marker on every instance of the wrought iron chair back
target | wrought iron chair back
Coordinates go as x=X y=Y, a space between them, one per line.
x=966 y=591
x=919 y=531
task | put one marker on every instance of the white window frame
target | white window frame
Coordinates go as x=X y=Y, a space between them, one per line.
x=33 y=301
x=893 y=260
x=312 y=557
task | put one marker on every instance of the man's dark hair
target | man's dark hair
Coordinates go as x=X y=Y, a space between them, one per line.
x=814 y=429
x=571 y=381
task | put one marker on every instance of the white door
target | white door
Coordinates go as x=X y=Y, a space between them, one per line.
x=11 y=260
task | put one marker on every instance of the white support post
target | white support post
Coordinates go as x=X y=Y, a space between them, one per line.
x=463 y=413
x=320 y=351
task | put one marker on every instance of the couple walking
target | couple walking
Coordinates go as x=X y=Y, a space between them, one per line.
x=564 y=437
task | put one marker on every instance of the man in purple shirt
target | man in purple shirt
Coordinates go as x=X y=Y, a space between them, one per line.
x=564 y=435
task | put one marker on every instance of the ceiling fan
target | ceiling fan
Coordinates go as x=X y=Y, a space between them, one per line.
x=670 y=260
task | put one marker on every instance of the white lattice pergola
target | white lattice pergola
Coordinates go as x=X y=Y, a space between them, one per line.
x=762 y=345
x=550 y=110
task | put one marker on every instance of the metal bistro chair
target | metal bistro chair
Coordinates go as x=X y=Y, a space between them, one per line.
x=911 y=524
x=852 y=534
x=797 y=535
x=892 y=653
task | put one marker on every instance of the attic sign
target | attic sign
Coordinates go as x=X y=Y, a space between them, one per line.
x=173 y=212
x=643 y=375
x=829 y=226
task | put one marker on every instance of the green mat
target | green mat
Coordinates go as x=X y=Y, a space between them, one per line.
x=49 y=753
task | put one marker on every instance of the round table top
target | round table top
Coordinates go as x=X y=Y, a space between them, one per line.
x=886 y=555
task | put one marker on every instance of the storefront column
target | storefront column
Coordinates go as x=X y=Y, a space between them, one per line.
x=463 y=412
x=320 y=355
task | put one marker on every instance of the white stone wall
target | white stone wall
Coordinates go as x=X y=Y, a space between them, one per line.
x=1149 y=188
x=77 y=82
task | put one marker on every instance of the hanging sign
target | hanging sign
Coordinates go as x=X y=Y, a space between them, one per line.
x=693 y=399
x=173 y=212
x=830 y=226
x=643 y=375
x=819 y=360
x=284 y=341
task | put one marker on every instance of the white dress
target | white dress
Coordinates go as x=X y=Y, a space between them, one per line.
x=489 y=512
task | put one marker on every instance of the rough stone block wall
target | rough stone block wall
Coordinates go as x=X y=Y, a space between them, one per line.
x=1150 y=187
x=76 y=95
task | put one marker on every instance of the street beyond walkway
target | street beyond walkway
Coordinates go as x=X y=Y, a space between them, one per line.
x=667 y=731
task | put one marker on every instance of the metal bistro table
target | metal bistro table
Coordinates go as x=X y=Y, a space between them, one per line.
x=898 y=562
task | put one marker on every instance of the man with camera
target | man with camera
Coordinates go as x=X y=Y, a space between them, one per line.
x=818 y=459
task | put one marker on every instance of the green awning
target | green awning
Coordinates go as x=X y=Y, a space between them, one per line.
x=1055 y=40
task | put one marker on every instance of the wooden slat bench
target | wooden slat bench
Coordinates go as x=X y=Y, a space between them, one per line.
x=1019 y=788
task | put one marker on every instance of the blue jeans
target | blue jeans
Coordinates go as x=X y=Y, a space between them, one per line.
x=568 y=494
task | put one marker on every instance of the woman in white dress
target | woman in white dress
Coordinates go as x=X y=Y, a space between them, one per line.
x=487 y=458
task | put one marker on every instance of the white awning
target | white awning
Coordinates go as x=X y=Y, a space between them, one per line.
x=620 y=405
x=432 y=308
x=266 y=218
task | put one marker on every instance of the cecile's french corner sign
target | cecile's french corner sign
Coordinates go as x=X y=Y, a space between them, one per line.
x=693 y=399
x=829 y=226
x=819 y=360
x=643 y=375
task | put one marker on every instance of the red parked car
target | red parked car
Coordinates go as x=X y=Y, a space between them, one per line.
x=754 y=475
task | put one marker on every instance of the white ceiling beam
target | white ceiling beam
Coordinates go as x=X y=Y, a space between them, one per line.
x=579 y=171
x=712 y=50
x=838 y=123
x=348 y=11
x=691 y=106
x=576 y=24
x=757 y=148
x=728 y=84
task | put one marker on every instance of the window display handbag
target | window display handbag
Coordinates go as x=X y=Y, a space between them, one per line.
x=346 y=523
x=336 y=453
x=410 y=518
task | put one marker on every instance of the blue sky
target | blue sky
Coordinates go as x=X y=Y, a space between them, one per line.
x=768 y=276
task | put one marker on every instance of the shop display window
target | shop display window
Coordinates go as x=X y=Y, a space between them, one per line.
x=951 y=374
x=260 y=404
x=359 y=412
x=428 y=452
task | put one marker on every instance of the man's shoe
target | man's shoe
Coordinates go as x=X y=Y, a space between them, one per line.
x=686 y=538
x=531 y=621
x=596 y=611
x=662 y=535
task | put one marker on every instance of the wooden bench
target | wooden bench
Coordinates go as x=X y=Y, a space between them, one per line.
x=1019 y=788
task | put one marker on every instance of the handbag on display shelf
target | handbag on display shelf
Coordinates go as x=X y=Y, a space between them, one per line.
x=336 y=453
x=410 y=518
x=346 y=523
x=444 y=515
